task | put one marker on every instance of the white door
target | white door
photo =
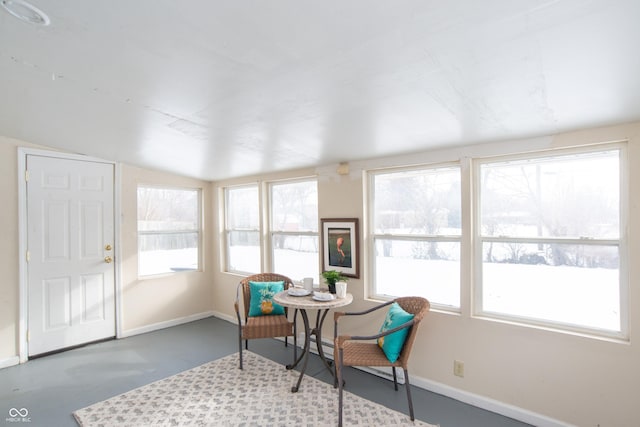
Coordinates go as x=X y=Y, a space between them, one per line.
x=70 y=237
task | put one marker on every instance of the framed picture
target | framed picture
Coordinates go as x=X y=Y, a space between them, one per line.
x=339 y=239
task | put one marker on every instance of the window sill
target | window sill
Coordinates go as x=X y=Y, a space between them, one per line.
x=606 y=336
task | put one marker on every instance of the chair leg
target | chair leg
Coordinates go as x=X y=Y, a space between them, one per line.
x=339 y=368
x=240 y=346
x=246 y=344
x=295 y=336
x=408 y=387
x=395 y=378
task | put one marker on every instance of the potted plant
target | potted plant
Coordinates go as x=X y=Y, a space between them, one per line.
x=331 y=277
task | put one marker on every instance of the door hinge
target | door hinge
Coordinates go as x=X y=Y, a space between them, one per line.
x=28 y=256
x=28 y=335
x=26 y=175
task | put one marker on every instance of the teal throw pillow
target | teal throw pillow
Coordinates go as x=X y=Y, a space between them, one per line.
x=262 y=298
x=392 y=343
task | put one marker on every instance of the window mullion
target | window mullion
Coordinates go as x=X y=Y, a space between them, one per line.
x=167 y=232
x=294 y=233
x=418 y=237
x=552 y=240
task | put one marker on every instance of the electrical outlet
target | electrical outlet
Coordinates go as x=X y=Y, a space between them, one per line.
x=458 y=368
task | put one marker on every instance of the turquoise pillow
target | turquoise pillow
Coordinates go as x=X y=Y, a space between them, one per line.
x=392 y=343
x=262 y=298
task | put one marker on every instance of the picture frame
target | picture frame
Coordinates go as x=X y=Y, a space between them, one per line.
x=339 y=242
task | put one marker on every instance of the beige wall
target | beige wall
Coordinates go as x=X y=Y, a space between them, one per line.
x=160 y=299
x=144 y=304
x=547 y=376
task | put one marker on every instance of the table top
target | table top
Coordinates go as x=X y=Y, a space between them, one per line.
x=307 y=303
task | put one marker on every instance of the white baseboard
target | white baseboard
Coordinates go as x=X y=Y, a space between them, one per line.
x=473 y=399
x=9 y=361
x=166 y=324
x=488 y=404
x=223 y=316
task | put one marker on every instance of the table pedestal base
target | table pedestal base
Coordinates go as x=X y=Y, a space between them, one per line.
x=304 y=356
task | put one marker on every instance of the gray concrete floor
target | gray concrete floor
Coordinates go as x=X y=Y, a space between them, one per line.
x=52 y=387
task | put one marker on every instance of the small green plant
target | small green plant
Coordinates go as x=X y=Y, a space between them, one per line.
x=333 y=276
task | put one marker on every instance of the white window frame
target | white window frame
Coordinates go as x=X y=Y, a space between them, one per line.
x=621 y=242
x=372 y=235
x=268 y=212
x=198 y=229
x=227 y=230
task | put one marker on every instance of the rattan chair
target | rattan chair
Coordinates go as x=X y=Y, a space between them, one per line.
x=352 y=351
x=271 y=326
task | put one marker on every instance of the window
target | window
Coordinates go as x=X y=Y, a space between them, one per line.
x=243 y=229
x=549 y=246
x=294 y=229
x=415 y=232
x=168 y=230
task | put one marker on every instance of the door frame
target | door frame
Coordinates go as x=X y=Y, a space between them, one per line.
x=23 y=152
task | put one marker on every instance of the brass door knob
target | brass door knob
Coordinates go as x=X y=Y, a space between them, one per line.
x=108 y=259
x=107 y=248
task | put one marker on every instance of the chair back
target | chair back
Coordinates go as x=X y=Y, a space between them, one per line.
x=419 y=307
x=244 y=287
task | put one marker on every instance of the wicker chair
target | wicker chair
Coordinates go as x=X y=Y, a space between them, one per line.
x=348 y=351
x=263 y=326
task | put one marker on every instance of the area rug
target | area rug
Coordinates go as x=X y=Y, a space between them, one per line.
x=219 y=394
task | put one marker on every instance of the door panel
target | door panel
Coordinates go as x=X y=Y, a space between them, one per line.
x=93 y=292
x=55 y=233
x=70 y=224
x=91 y=230
x=56 y=305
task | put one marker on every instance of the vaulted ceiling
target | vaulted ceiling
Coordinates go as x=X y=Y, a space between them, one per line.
x=218 y=89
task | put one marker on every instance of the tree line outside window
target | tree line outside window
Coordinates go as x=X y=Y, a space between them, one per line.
x=544 y=244
x=546 y=237
x=292 y=226
x=168 y=230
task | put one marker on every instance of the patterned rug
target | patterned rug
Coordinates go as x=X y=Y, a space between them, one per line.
x=219 y=394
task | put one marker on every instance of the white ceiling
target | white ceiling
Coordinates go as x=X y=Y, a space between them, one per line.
x=218 y=89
